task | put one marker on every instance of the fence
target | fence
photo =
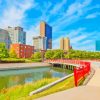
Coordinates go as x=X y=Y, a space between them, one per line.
x=79 y=72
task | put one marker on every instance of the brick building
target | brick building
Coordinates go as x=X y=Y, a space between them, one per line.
x=22 y=50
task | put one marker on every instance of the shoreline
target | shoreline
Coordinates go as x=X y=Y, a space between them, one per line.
x=15 y=66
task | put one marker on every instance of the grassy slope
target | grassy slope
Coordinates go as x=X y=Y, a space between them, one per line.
x=16 y=92
x=64 y=85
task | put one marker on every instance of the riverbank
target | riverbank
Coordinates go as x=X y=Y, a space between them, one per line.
x=91 y=91
x=9 y=66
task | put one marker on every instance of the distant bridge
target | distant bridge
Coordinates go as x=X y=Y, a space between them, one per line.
x=69 y=64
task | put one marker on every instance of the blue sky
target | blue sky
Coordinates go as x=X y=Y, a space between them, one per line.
x=77 y=19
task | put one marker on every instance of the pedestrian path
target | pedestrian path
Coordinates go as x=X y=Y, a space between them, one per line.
x=77 y=93
x=95 y=81
x=89 y=92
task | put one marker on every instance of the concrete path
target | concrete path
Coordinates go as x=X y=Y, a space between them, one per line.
x=79 y=93
x=8 y=66
x=89 y=92
x=95 y=81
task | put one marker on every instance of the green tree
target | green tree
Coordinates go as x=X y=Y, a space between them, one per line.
x=12 y=53
x=3 y=51
x=37 y=55
x=58 y=54
x=49 y=54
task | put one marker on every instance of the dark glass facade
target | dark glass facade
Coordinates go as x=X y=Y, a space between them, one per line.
x=97 y=46
x=48 y=34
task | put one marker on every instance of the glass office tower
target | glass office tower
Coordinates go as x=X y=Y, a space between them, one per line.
x=46 y=31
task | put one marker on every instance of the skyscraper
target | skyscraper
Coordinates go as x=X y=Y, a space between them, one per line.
x=4 y=38
x=65 y=44
x=46 y=31
x=39 y=43
x=17 y=35
x=97 y=45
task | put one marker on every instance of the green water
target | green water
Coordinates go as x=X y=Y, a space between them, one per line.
x=11 y=78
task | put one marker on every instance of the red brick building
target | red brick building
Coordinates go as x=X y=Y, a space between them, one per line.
x=22 y=50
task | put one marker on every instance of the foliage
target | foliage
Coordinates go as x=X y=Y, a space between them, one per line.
x=54 y=54
x=19 y=91
x=12 y=53
x=64 y=85
x=37 y=55
x=36 y=60
x=72 y=54
x=12 y=60
x=77 y=54
x=49 y=54
x=3 y=51
x=58 y=54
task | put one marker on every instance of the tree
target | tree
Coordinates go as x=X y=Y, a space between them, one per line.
x=3 y=51
x=49 y=54
x=37 y=55
x=12 y=53
x=58 y=54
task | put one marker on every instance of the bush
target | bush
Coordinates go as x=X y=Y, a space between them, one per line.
x=37 y=55
x=12 y=60
x=3 y=51
x=37 y=60
x=12 y=54
x=49 y=54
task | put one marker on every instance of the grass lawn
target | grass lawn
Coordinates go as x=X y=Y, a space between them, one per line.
x=19 y=60
x=21 y=92
x=64 y=85
x=17 y=92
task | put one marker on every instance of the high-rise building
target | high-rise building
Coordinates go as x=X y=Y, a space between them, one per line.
x=4 y=38
x=39 y=43
x=22 y=50
x=17 y=35
x=65 y=44
x=46 y=31
x=97 y=45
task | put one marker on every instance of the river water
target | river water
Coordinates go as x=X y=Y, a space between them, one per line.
x=11 y=78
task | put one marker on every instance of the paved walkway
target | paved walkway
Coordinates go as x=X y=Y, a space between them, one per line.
x=79 y=93
x=95 y=81
x=89 y=92
x=21 y=65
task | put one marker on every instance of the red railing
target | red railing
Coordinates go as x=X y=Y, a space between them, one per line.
x=79 y=72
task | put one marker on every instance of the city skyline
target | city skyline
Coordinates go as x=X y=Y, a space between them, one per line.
x=78 y=20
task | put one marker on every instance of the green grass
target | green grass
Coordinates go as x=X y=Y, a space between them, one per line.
x=19 y=91
x=19 y=60
x=12 y=60
x=64 y=85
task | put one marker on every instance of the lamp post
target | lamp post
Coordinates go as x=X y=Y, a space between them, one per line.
x=43 y=52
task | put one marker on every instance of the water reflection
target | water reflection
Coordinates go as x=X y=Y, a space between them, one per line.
x=14 y=77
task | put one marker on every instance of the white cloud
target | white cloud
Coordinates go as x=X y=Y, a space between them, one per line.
x=93 y=15
x=79 y=39
x=33 y=31
x=14 y=14
x=72 y=14
x=58 y=7
x=56 y=43
x=72 y=35
x=44 y=10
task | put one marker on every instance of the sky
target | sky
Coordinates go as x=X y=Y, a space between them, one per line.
x=77 y=19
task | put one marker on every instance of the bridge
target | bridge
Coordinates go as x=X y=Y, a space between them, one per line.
x=91 y=91
x=80 y=68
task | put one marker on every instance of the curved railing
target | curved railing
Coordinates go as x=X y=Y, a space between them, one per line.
x=79 y=72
